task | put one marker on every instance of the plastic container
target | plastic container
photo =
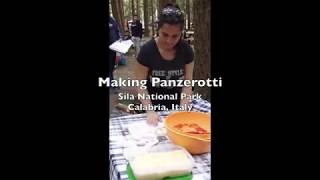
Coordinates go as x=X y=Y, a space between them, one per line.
x=162 y=161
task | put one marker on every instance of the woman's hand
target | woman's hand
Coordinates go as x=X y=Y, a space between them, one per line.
x=184 y=102
x=153 y=118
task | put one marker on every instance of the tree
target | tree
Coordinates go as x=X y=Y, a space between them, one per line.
x=121 y=10
x=162 y=3
x=202 y=45
x=117 y=13
x=152 y=18
x=146 y=18
x=110 y=8
x=188 y=13
x=138 y=9
x=132 y=8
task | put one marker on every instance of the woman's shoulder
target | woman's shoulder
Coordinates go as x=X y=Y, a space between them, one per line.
x=184 y=44
x=149 y=43
x=148 y=46
x=187 y=51
x=147 y=52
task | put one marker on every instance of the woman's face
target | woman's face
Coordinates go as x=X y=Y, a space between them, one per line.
x=169 y=35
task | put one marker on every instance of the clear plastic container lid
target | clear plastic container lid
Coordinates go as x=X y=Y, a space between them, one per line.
x=131 y=153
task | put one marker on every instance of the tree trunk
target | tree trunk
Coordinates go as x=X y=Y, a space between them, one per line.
x=117 y=13
x=188 y=13
x=138 y=9
x=122 y=8
x=123 y=24
x=129 y=9
x=191 y=14
x=182 y=5
x=146 y=18
x=113 y=7
x=158 y=9
x=132 y=8
x=152 y=18
x=110 y=8
x=162 y=3
x=202 y=44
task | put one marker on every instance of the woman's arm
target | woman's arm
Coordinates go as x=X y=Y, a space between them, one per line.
x=188 y=68
x=141 y=73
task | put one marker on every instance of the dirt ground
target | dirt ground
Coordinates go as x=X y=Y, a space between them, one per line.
x=124 y=71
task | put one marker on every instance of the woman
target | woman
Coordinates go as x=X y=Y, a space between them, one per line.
x=166 y=57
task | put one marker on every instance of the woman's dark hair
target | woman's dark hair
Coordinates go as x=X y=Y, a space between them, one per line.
x=171 y=14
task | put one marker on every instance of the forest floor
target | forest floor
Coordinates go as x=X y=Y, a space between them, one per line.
x=124 y=71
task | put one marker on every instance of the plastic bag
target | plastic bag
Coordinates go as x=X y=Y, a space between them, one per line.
x=122 y=60
x=118 y=57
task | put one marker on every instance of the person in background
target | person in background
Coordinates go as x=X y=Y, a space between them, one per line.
x=136 y=33
x=126 y=30
x=167 y=57
x=114 y=35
